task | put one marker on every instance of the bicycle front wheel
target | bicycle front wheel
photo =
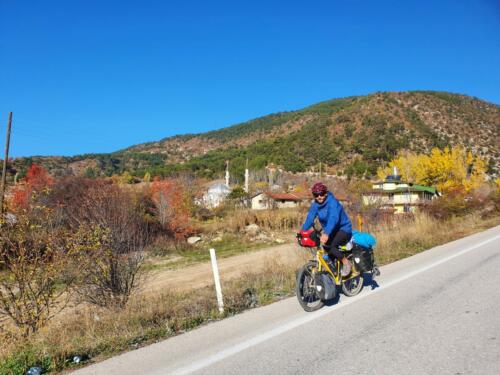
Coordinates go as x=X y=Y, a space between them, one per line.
x=306 y=291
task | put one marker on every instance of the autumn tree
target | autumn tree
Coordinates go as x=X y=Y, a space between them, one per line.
x=237 y=193
x=447 y=169
x=172 y=205
x=37 y=180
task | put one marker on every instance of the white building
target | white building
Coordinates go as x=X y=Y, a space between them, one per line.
x=215 y=195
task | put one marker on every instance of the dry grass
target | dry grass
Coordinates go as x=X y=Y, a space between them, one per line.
x=270 y=220
x=147 y=318
x=413 y=235
x=99 y=333
x=227 y=234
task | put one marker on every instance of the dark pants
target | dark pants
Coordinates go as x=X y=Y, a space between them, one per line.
x=334 y=241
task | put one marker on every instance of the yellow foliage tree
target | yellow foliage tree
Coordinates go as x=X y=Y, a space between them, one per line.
x=447 y=169
x=411 y=167
x=127 y=178
x=261 y=186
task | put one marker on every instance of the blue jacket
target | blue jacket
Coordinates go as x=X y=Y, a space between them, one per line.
x=331 y=215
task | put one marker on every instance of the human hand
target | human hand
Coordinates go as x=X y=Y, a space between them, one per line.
x=323 y=238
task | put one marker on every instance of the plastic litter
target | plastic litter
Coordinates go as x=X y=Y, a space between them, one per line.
x=34 y=371
x=77 y=359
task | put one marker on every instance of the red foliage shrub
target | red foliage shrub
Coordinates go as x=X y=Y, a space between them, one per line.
x=37 y=180
x=172 y=206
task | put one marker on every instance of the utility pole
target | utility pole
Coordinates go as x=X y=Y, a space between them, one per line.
x=4 y=169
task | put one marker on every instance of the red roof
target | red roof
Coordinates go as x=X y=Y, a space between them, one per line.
x=300 y=196
x=285 y=197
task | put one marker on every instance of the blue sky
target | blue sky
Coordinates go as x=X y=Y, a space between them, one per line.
x=99 y=76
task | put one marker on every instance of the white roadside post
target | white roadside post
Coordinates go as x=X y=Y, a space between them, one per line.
x=218 y=289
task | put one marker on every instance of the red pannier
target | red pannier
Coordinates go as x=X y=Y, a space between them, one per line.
x=308 y=238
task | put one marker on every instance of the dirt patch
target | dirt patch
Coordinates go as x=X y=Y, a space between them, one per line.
x=200 y=275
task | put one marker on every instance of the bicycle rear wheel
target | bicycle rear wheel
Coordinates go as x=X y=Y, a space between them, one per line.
x=353 y=286
x=305 y=288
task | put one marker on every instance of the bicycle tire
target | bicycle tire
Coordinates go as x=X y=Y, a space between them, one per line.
x=353 y=286
x=305 y=288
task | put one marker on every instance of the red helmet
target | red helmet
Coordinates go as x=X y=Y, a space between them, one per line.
x=319 y=188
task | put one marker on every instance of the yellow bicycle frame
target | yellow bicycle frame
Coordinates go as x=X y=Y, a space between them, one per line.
x=322 y=264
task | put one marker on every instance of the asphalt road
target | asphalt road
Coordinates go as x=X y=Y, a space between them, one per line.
x=434 y=313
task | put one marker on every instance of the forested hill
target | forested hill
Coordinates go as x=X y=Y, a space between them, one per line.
x=351 y=135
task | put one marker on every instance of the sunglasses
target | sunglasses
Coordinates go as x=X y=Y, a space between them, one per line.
x=316 y=195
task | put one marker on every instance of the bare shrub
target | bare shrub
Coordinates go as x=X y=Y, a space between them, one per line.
x=120 y=220
x=454 y=203
x=115 y=219
x=36 y=263
x=109 y=274
x=66 y=196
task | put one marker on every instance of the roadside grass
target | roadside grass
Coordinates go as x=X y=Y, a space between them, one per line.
x=98 y=334
x=411 y=236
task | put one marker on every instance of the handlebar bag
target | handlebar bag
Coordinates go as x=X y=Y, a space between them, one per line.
x=308 y=238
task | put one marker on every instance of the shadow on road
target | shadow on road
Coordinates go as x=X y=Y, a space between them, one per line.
x=368 y=281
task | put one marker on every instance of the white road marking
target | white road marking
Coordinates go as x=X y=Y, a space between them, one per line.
x=312 y=316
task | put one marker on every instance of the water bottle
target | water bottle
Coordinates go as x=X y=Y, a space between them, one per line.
x=349 y=245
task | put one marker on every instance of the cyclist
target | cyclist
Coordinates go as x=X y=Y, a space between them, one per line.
x=337 y=227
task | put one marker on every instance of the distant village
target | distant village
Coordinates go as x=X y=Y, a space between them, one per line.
x=391 y=195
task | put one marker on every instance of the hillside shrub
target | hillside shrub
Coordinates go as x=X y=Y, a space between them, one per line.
x=36 y=182
x=112 y=225
x=454 y=203
x=37 y=264
x=114 y=219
